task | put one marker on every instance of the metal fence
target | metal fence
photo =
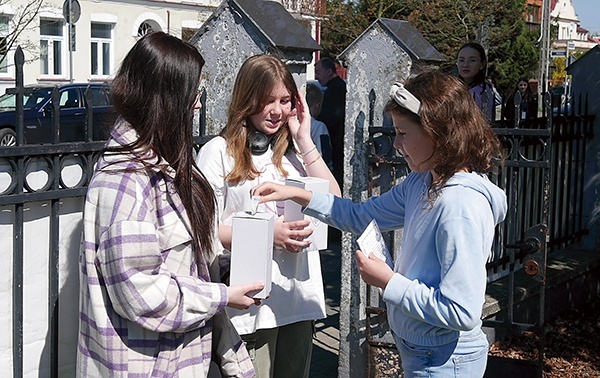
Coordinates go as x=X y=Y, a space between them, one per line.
x=543 y=178
x=56 y=161
x=20 y=191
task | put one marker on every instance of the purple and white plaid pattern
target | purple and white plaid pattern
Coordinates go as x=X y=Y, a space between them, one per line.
x=146 y=306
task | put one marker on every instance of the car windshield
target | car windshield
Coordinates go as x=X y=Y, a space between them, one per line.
x=9 y=101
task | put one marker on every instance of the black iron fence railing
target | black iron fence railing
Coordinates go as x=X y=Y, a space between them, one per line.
x=65 y=169
x=545 y=159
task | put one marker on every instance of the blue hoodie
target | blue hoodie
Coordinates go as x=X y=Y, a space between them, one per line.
x=438 y=291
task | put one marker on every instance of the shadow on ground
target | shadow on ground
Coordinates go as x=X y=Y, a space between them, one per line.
x=324 y=363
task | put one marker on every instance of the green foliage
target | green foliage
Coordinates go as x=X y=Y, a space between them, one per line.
x=514 y=58
x=560 y=71
x=498 y=24
x=346 y=20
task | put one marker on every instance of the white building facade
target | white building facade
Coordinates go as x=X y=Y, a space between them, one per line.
x=104 y=32
x=571 y=35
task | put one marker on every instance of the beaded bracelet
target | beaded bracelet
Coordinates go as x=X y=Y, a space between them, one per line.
x=309 y=151
x=312 y=161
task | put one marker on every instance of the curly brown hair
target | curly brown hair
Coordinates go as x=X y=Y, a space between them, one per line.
x=462 y=137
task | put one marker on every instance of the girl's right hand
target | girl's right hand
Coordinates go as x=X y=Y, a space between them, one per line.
x=239 y=295
x=269 y=191
x=299 y=122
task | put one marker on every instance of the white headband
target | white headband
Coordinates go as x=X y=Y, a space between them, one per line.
x=405 y=99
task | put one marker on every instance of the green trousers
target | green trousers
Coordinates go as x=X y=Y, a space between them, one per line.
x=282 y=352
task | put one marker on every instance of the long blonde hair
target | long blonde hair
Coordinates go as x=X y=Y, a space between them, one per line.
x=256 y=79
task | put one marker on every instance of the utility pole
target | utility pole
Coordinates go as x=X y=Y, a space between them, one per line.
x=545 y=49
x=71 y=41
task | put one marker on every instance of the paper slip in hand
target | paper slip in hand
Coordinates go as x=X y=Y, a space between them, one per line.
x=371 y=240
x=255 y=203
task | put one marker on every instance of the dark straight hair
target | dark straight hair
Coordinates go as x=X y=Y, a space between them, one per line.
x=480 y=76
x=155 y=91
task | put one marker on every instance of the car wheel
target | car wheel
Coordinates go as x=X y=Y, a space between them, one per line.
x=7 y=138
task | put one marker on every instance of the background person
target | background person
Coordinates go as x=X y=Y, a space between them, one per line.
x=436 y=291
x=267 y=138
x=528 y=106
x=333 y=112
x=318 y=130
x=472 y=66
x=147 y=303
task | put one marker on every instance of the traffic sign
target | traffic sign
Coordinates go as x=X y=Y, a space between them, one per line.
x=558 y=53
x=75 y=11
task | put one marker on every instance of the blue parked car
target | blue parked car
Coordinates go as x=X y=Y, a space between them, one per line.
x=38 y=113
x=561 y=100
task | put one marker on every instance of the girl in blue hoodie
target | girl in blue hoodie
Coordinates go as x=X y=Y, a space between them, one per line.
x=448 y=208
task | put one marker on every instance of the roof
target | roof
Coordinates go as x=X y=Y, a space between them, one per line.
x=408 y=38
x=276 y=24
x=595 y=51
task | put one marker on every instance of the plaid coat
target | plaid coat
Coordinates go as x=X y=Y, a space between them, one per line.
x=147 y=308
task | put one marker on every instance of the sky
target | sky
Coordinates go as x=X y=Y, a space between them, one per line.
x=588 y=12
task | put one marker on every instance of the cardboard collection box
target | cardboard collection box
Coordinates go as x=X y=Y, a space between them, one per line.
x=292 y=211
x=252 y=250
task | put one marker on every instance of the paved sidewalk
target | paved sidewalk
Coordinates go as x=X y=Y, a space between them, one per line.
x=324 y=363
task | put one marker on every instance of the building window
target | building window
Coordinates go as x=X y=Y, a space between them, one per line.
x=533 y=14
x=51 y=46
x=101 y=49
x=3 y=45
x=187 y=33
x=145 y=28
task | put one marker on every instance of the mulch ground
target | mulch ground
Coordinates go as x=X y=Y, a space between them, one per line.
x=572 y=347
x=572 y=344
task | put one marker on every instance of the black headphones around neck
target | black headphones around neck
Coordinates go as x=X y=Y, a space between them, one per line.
x=259 y=142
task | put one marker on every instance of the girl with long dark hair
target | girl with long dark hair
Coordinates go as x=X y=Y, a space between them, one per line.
x=148 y=307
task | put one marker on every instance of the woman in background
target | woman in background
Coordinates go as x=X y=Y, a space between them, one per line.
x=472 y=66
x=528 y=105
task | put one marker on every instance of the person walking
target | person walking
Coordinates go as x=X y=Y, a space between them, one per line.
x=527 y=107
x=318 y=130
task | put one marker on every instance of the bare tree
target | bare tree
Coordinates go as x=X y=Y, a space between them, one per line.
x=21 y=19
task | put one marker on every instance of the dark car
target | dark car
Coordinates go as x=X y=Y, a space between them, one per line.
x=561 y=100
x=38 y=113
